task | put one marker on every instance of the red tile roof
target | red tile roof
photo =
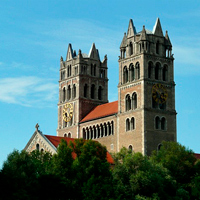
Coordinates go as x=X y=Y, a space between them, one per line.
x=197 y=155
x=55 y=140
x=102 y=111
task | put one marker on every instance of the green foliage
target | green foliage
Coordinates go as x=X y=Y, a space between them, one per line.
x=93 y=174
x=20 y=173
x=134 y=175
x=80 y=170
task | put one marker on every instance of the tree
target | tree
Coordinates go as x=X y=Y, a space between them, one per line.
x=136 y=176
x=181 y=164
x=21 y=171
x=92 y=170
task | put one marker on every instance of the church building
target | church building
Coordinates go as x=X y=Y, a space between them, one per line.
x=144 y=114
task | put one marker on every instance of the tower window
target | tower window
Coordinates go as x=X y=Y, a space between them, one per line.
x=163 y=124
x=127 y=125
x=100 y=93
x=64 y=94
x=134 y=101
x=150 y=69
x=125 y=74
x=157 y=71
x=131 y=48
x=137 y=68
x=128 y=102
x=157 y=47
x=132 y=72
x=68 y=92
x=92 y=69
x=74 y=91
x=165 y=73
x=85 y=90
x=132 y=123
x=157 y=125
x=130 y=148
x=92 y=91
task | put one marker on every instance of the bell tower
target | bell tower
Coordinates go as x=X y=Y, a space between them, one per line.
x=146 y=89
x=83 y=85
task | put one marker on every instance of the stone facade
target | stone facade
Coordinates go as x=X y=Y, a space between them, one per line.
x=143 y=118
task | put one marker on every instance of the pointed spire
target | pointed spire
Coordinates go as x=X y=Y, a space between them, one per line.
x=167 y=39
x=143 y=35
x=93 y=52
x=131 y=29
x=157 y=29
x=79 y=55
x=124 y=41
x=69 y=52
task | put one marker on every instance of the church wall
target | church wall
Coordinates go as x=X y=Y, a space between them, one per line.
x=110 y=141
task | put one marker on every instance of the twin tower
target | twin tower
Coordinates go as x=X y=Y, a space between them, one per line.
x=144 y=114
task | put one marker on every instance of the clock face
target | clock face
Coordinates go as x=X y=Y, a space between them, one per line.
x=67 y=112
x=159 y=93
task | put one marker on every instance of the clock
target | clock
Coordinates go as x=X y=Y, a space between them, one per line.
x=159 y=93
x=67 y=112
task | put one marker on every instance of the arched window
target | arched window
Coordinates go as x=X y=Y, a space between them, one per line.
x=65 y=135
x=157 y=47
x=84 y=134
x=100 y=93
x=157 y=121
x=159 y=147
x=37 y=147
x=94 y=132
x=69 y=135
x=92 y=91
x=128 y=102
x=102 y=130
x=94 y=69
x=150 y=69
x=132 y=123
x=125 y=74
x=130 y=148
x=85 y=90
x=109 y=128
x=165 y=73
x=74 y=91
x=163 y=124
x=137 y=69
x=70 y=70
x=105 y=129
x=98 y=132
x=127 y=125
x=131 y=48
x=68 y=92
x=64 y=94
x=131 y=72
x=112 y=128
x=157 y=71
x=134 y=101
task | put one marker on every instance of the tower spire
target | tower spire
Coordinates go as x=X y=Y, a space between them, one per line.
x=131 y=29
x=157 y=29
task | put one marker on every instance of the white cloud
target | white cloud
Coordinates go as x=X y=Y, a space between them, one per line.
x=28 y=91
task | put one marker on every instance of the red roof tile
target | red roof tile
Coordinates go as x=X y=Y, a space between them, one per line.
x=102 y=111
x=197 y=155
x=55 y=140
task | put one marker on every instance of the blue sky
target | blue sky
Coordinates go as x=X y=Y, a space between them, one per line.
x=34 y=34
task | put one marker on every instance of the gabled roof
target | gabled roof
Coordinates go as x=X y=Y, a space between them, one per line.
x=55 y=140
x=103 y=110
